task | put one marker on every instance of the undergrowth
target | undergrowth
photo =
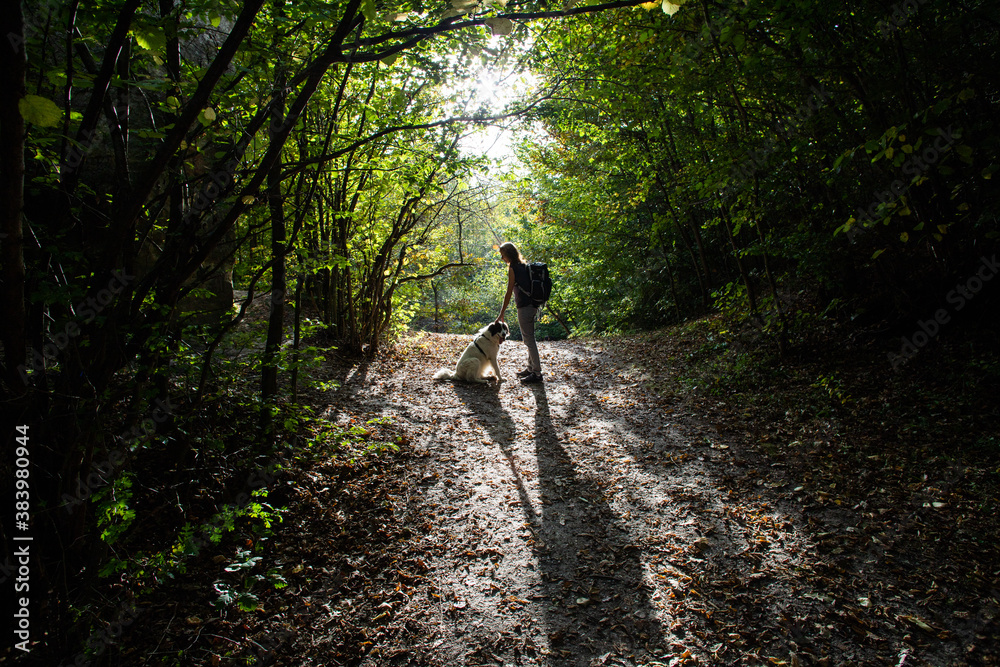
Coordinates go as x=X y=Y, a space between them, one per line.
x=209 y=490
x=834 y=408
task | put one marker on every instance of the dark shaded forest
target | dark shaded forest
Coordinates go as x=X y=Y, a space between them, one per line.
x=216 y=216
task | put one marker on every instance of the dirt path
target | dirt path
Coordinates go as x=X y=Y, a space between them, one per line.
x=586 y=522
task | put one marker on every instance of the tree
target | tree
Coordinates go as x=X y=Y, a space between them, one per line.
x=769 y=150
x=161 y=144
x=12 y=66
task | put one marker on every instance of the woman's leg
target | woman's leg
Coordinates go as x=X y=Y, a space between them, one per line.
x=526 y=320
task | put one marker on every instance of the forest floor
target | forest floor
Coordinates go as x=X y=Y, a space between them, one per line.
x=617 y=514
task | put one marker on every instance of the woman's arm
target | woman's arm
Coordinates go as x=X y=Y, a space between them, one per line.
x=510 y=290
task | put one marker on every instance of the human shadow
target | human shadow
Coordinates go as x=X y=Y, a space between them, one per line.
x=591 y=596
x=590 y=565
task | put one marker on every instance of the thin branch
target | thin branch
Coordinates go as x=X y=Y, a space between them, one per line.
x=419 y=126
x=454 y=23
x=435 y=274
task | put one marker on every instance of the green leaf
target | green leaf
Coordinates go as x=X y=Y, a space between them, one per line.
x=671 y=8
x=226 y=596
x=247 y=602
x=843 y=156
x=39 y=111
x=942 y=106
x=499 y=25
x=150 y=38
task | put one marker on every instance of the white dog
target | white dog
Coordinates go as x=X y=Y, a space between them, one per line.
x=484 y=348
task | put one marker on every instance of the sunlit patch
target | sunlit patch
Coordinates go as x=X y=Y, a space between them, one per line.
x=497 y=89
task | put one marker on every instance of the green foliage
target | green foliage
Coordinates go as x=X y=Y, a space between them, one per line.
x=115 y=513
x=773 y=154
x=237 y=591
x=832 y=387
x=692 y=153
x=39 y=110
x=731 y=301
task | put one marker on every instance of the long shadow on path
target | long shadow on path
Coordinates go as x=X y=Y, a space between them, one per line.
x=592 y=570
x=591 y=594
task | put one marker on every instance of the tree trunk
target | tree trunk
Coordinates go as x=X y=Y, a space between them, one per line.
x=702 y=278
x=751 y=295
x=276 y=316
x=559 y=318
x=12 y=71
x=437 y=307
x=297 y=336
x=673 y=286
x=772 y=284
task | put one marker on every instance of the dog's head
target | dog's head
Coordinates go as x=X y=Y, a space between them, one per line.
x=498 y=331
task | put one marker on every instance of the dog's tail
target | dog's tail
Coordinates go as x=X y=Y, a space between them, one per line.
x=444 y=374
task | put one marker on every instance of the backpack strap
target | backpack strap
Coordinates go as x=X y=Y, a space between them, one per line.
x=527 y=269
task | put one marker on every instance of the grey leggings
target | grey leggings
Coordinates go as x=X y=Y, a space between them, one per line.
x=526 y=320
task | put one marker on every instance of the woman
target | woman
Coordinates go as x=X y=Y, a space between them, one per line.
x=525 y=311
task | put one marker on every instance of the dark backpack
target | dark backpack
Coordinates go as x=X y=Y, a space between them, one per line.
x=535 y=282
